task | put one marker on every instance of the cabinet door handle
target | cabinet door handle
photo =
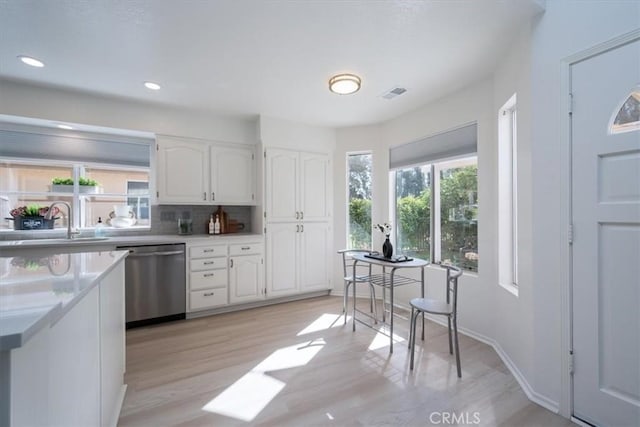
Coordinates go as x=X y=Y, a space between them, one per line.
x=204 y=196
x=302 y=228
x=301 y=215
x=213 y=196
x=208 y=294
x=231 y=262
x=209 y=262
x=245 y=248
x=208 y=275
x=209 y=250
x=297 y=228
x=297 y=215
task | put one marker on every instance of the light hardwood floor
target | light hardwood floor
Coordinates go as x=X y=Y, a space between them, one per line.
x=296 y=364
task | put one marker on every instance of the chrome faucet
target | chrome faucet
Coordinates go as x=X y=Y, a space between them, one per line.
x=49 y=215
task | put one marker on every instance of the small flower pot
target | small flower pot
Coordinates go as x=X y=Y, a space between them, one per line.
x=33 y=223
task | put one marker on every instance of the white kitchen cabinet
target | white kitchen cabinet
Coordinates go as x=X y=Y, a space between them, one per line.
x=297 y=186
x=182 y=171
x=246 y=278
x=232 y=175
x=204 y=172
x=298 y=258
x=112 y=345
x=208 y=277
x=315 y=180
x=314 y=256
x=282 y=255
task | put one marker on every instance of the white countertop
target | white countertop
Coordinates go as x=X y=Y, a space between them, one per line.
x=8 y=245
x=36 y=291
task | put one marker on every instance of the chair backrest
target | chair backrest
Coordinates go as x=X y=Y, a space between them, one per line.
x=347 y=262
x=453 y=273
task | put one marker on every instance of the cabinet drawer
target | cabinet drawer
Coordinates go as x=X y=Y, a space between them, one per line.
x=207 y=264
x=199 y=300
x=208 y=279
x=245 y=249
x=207 y=251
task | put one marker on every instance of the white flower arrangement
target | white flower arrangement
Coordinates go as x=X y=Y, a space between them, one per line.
x=384 y=228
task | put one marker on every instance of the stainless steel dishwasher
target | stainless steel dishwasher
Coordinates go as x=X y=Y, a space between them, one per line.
x=155 y=284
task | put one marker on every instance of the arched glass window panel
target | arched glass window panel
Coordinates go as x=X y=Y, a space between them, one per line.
x=627 y=118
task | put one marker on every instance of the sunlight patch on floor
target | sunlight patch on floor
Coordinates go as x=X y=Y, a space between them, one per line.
x=382 y=339
x=248 y=396
x=325 y=321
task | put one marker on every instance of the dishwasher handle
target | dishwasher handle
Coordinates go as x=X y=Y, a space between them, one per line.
x=132 y=253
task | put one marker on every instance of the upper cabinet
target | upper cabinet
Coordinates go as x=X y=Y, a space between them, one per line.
x=182 y=171
x=297 y=186
x=232 y=175
x=200 y=172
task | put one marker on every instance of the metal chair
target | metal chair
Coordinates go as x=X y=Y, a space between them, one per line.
x=444 y=308
x=347 y=266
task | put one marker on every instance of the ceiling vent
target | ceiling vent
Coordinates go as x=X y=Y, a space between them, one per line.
x=396 y=91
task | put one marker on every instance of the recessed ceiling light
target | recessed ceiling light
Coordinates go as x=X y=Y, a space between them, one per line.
x=344 y=84
x=31 y=61
x=152 y=85
x=67 y=127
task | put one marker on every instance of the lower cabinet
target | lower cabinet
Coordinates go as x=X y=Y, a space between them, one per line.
x=245 y=278
x=224 y=274
x=72 y=373
x=208 y=277
x=298 y=257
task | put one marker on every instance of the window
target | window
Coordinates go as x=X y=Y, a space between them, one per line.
x=29 y=182
x=508 y=195
x=359 y=196
x=627 y=117
x=436 y=211
x=93 y=172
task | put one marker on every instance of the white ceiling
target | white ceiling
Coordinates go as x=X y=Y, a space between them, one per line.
x=270 y=57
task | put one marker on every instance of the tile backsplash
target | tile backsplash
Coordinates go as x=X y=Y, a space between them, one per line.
x=164 y=218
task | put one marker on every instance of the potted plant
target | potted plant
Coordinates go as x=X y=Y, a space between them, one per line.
x=32 y=217
x=65 y=185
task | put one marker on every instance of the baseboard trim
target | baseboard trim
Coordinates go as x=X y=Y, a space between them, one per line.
x=534 y=396
x=260 y=303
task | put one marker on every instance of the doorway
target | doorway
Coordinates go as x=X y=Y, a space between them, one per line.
x=605 y=254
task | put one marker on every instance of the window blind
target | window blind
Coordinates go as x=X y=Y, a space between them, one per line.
x=85 y=147
x=454 y=143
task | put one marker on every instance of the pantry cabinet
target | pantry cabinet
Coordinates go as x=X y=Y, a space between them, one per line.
x=297 y=186
x=298 y=257
x=298 y=214
x=199 y=172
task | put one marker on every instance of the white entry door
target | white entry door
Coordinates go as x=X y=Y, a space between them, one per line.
x=606 y=249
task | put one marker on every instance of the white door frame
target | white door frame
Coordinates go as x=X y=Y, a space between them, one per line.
x=566 y=327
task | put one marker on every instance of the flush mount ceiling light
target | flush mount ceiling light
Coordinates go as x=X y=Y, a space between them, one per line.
x=31 y=61
x=344 y=84
x=152 y=85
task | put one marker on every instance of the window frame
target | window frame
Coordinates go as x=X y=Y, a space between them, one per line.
x=348 y=154
x=79 y=200
x=434 y=167
x=508 y=263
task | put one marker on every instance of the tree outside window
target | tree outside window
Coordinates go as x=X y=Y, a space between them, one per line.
x=359 y=188
x=455 y=232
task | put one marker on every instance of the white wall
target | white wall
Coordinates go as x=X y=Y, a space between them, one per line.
x=567 y=27
x=52 y=104
x=281 y=133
